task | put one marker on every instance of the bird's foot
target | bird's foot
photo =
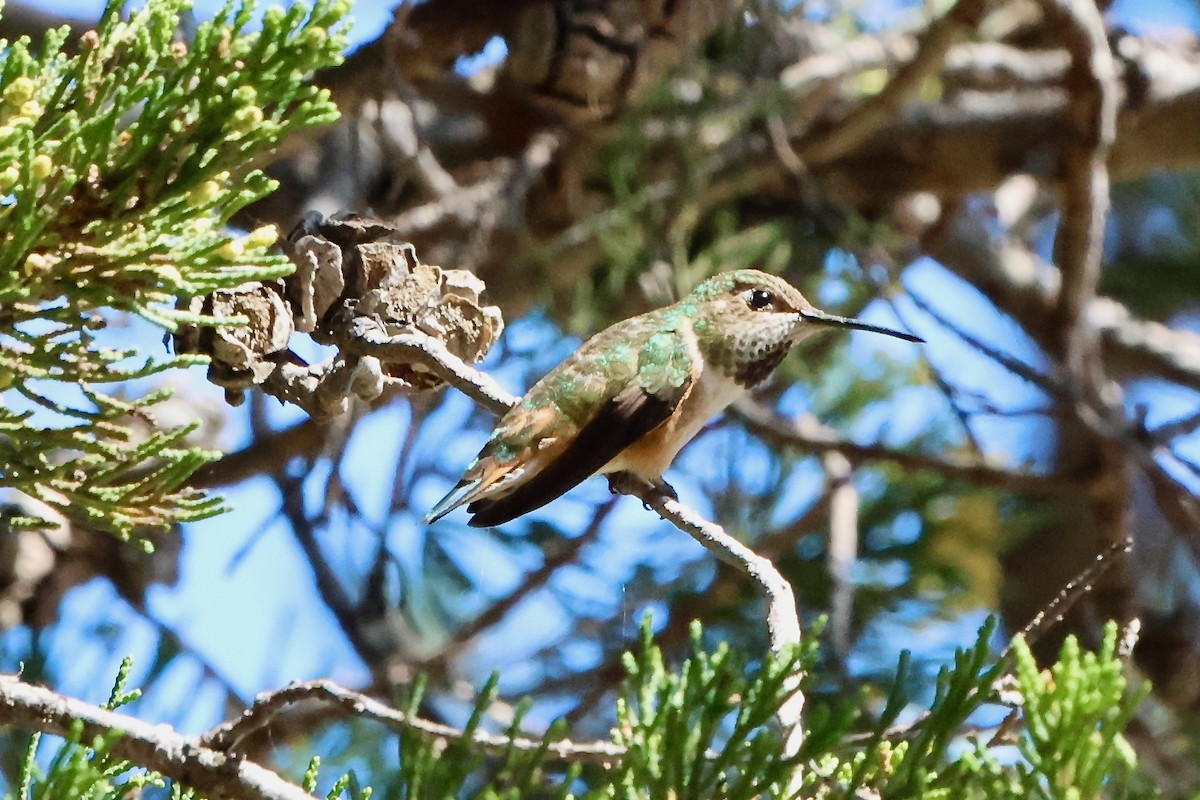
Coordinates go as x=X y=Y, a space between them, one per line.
x=657 y=485
x=660 y=487
x=663 y=487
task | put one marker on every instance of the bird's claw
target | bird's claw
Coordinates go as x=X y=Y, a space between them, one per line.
x=657 y=485
x=660 y=487
x=663 y=487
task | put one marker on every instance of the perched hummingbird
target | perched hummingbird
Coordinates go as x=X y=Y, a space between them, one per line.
x=634 y=394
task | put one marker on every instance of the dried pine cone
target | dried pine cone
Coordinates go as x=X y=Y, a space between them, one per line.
x=347 y=268
x=351 y=267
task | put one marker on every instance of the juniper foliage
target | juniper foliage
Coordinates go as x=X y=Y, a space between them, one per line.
x=123 y=157
x=703 y=729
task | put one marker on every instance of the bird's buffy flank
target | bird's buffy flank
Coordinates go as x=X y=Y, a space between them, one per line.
x=636 y=392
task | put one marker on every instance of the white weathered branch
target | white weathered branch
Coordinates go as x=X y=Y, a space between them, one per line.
x=156 y=747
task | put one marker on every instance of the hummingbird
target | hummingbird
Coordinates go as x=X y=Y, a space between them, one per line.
x=634 y=394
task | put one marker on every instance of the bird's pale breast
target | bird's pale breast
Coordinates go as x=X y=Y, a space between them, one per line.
x=710 y=394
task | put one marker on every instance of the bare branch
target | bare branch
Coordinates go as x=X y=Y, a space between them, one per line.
x=226 y=736
x=368 y=340
x=1092 y=83
x=806 y=433
x=879 y=110
x=980 y=65
x=264 y=454
x=843 y=547
x=783 y=622
x=1145 y=347
x=157 y=747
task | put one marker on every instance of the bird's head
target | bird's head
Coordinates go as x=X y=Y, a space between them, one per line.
x=747 y=320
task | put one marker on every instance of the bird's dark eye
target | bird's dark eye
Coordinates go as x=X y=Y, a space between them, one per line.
x=760 y=299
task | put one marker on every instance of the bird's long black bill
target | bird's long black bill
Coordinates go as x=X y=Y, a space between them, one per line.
x=821 y=318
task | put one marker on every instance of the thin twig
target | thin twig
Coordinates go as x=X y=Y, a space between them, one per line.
x=1051 y=614
x=843 y=548
x=226 y=736
x=1183 y=426
x=808 y=434
x=1009 y=362
x=329 y=585
x=1070 y=593
x=944 y=386
x=877 y=111
x=533 y=581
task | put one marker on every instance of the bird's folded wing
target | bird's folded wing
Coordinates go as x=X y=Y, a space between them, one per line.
x=624 y=419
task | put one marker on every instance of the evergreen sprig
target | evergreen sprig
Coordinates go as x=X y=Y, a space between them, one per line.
x=121 y=165
x=431 y=768
x=82 y=770
x=1074 y=718
x=1069 y=733
x=705 y=729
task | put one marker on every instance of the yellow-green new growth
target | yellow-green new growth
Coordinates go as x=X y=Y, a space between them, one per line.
x=122 y=158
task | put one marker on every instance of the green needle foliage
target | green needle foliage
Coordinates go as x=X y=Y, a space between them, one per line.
x=89 y=771
x=121 y=164
x=1068 y=733
x=1074 y=721
x=705 y=729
